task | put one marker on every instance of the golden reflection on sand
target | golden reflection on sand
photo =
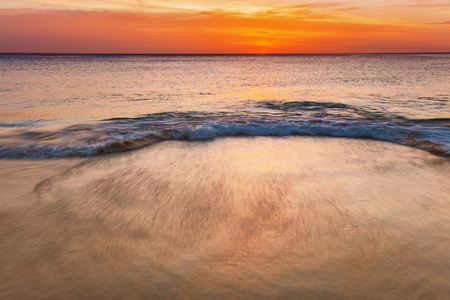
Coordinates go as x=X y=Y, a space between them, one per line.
x=247 y=218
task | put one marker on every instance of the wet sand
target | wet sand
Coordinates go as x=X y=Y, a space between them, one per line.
x=242 y=218
x=19 y=177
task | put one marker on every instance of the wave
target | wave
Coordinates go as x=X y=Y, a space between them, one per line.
x=124 y=134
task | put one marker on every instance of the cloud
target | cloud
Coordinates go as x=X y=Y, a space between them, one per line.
x=441 y=23
x=348 y=8
x=420 y=5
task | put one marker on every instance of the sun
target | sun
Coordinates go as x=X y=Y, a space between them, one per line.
x=263 y=46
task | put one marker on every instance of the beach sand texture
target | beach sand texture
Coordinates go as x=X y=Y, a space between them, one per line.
x=243 y=218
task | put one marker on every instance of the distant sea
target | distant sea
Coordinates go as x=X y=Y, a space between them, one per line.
x=55 y=106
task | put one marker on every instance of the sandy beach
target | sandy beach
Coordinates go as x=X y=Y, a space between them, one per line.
x=19 y=177
x=243 y=218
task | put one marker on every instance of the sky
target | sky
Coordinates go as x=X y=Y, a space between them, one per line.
x=224 y=26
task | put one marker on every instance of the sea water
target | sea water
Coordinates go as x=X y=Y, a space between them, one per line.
x=82 y=105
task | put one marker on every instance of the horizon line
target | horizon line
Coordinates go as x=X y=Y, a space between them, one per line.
x=244 y=53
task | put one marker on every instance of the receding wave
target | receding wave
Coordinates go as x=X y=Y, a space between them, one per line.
x=124 y=134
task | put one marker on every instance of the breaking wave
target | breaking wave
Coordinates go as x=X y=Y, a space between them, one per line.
x=115 y=139
x=262 y=119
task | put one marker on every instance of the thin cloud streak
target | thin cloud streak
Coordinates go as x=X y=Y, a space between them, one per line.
x=441 y=23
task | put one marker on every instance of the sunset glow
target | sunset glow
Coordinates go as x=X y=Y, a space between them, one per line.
x=200 y=26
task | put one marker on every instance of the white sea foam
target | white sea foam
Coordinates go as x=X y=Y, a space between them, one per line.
x=133 y=134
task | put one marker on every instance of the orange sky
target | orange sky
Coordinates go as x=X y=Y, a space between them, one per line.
x=246 y=26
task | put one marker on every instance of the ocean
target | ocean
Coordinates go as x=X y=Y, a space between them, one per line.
x=82 y=105
x=225 y=176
